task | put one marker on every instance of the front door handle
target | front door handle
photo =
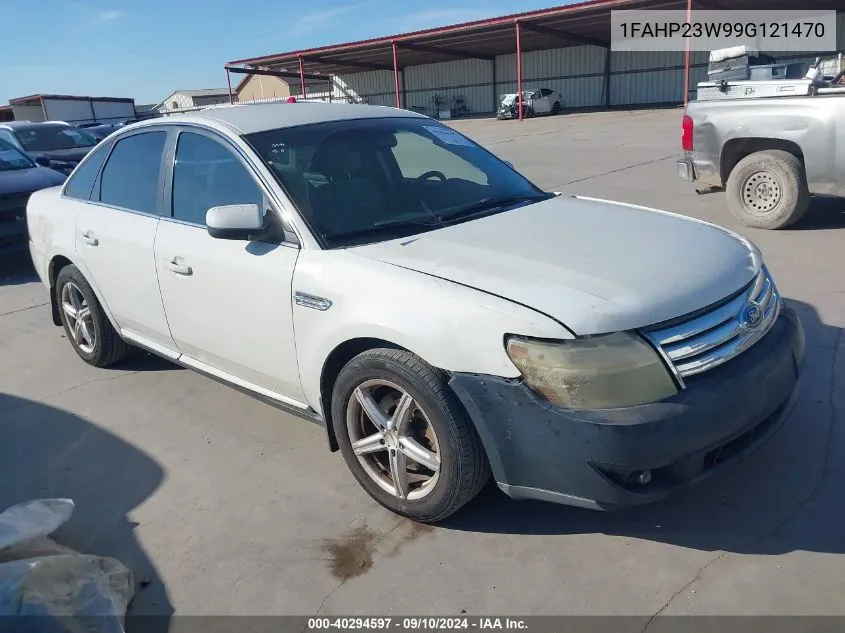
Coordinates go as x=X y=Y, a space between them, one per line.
x=89 y=238
x=178 y=266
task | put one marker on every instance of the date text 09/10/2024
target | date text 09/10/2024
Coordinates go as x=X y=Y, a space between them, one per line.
x=417 y=623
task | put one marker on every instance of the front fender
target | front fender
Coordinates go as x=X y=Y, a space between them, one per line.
x=452 y=327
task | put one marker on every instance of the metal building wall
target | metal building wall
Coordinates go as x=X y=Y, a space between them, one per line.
x=471 y=79
x=113 y=111
x=576 y=72
x=646 y=77
x=375 y=87
x=32 y=113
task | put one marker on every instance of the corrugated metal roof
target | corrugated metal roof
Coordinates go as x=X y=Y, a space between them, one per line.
x=39 y=97
x=569 y=25
x=205 y=92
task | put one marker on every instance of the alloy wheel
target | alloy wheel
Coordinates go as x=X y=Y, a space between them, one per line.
x=80 y=323
x=393 y=439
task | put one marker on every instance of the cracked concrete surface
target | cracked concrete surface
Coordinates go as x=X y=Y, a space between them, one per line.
x=223 y=505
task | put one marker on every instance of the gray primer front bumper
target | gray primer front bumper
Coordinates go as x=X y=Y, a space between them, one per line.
x=541 y=451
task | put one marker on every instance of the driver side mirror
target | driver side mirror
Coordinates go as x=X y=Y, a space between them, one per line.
x=235 y=222
x=43 y=161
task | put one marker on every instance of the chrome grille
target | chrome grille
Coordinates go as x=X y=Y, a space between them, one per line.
x=710 y=339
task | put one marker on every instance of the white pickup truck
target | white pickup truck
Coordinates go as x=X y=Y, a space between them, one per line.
x=376 y=272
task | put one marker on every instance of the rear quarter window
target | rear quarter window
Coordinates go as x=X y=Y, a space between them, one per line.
x=80 y=184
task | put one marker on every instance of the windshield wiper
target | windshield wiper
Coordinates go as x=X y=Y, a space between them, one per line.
x=492 y=204
x=385 y=226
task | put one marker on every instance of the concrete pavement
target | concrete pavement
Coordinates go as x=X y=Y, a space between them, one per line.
x=224 y=505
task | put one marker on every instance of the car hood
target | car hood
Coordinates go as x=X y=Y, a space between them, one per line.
x=27 y=180
x=73 y=155
x=593 y=265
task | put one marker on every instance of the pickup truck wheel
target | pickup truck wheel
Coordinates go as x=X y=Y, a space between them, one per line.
x=405 y=437
x=768 y=190
x=88 y=329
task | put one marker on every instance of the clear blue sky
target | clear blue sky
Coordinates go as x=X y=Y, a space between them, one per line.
x=148 y=48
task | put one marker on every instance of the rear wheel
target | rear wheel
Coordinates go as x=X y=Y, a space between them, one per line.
x=768 y=190
x=405 y=437
x=87 y=327
x=556 y=108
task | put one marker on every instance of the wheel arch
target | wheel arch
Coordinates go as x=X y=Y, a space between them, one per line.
x=332 y=366
x=735 y=149
x=57 y=262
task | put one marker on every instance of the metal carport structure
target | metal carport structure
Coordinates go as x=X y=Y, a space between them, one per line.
x=585 y=24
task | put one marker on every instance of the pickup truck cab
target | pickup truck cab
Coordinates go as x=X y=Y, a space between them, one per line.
x=375 y=271
x=770 y=154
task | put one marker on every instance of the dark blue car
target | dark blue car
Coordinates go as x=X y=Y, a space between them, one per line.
x=19 y=177
x=56 y=145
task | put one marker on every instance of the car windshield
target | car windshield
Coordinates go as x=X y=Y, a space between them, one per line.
x=46 y=138
x=366 y=180
x=11 y=158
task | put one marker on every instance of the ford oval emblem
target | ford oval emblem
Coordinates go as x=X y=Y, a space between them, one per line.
x=751 y=316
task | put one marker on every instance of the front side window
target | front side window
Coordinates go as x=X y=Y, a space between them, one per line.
x=11 y=158
x=80 y=184
x=207 y=174
x=130 y=179
x=373 y=179
x=545 y=92
x=48 y=138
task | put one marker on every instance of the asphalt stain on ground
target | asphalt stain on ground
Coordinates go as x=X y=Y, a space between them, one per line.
x=352 y=554
x=408 y=532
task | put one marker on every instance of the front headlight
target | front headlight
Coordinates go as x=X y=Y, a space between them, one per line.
x=600 y=372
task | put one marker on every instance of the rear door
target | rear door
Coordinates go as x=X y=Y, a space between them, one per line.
x=228 y=302
x=115 y=234
x=541 y=102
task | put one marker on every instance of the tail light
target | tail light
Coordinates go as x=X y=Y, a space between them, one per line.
x=686 y=133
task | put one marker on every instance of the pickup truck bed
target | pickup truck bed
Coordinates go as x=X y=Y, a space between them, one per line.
x=770 y=154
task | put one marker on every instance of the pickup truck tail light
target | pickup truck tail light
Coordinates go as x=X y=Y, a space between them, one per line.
x=686 y=133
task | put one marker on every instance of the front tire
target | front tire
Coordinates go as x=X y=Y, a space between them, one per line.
x=405 y=437
x=768 y=190
x=87 y=327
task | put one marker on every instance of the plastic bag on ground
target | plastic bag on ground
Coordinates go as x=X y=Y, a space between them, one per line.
x=49 y=588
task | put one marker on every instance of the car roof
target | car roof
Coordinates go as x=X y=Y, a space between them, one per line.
x=22 y=125
x=251 y=118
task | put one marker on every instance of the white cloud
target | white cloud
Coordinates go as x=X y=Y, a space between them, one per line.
x=321 y=17
x=110 y=16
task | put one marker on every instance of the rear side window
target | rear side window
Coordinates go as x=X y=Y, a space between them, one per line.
x=81 y=183
x=131 y=175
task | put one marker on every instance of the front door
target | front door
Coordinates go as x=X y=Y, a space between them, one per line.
x=228 y=302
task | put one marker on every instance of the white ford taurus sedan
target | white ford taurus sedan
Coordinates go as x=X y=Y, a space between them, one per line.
x=443 y=318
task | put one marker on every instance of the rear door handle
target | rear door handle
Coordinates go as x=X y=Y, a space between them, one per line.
x=178 y=266
x=89 y=238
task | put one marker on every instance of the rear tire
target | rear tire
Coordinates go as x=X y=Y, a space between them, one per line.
x=768 y=190
x=556 y=108
x=454 y=467
x=86 y=325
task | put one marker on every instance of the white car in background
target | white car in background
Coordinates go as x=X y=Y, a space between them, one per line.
x=540 y=101
x=377 y=272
